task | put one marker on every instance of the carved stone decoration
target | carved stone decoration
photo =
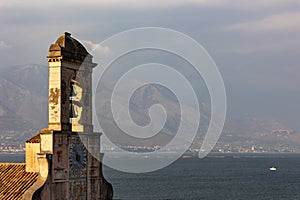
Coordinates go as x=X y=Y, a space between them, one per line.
x=54 y=95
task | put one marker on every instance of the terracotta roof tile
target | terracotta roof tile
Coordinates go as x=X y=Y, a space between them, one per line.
x=35 y=139
x=14 y=180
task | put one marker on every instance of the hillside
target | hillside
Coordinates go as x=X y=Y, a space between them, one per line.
x=23 y=111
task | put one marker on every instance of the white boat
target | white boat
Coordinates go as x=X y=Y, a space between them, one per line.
x=272 y=168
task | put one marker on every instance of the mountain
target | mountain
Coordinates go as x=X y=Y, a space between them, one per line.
x=23 y=97
x=140 y=104
x=23 y=111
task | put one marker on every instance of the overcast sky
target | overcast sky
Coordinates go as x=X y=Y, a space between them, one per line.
x=256 y=44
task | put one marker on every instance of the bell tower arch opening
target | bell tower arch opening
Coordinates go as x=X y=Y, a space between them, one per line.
x=75 y=102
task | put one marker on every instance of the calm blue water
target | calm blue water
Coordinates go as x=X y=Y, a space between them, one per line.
x=214 y=178
x=231 y=177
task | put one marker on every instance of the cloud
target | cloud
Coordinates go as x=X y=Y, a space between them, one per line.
x=111 y=3
x=3 y=45
x=154 y=3
x=275 y=23
x=96 y=47
x=260 y=4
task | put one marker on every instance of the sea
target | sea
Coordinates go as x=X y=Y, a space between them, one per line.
x=218 y=176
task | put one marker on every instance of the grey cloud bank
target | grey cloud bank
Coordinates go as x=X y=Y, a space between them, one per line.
x=254 y=43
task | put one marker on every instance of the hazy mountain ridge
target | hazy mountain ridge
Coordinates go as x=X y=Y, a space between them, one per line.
x=23 y=107
x=23 y=93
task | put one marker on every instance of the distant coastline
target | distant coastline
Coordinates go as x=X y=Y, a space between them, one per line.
x=20 y=157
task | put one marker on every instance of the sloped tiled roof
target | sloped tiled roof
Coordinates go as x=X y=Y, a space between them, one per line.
x=14 y=180
x=35 y=139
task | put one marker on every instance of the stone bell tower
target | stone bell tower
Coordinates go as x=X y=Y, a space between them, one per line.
x=70 y=86
x=69 y=145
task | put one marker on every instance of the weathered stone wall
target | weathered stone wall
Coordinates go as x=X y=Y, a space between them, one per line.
x=55 y=95
x=32 y=164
